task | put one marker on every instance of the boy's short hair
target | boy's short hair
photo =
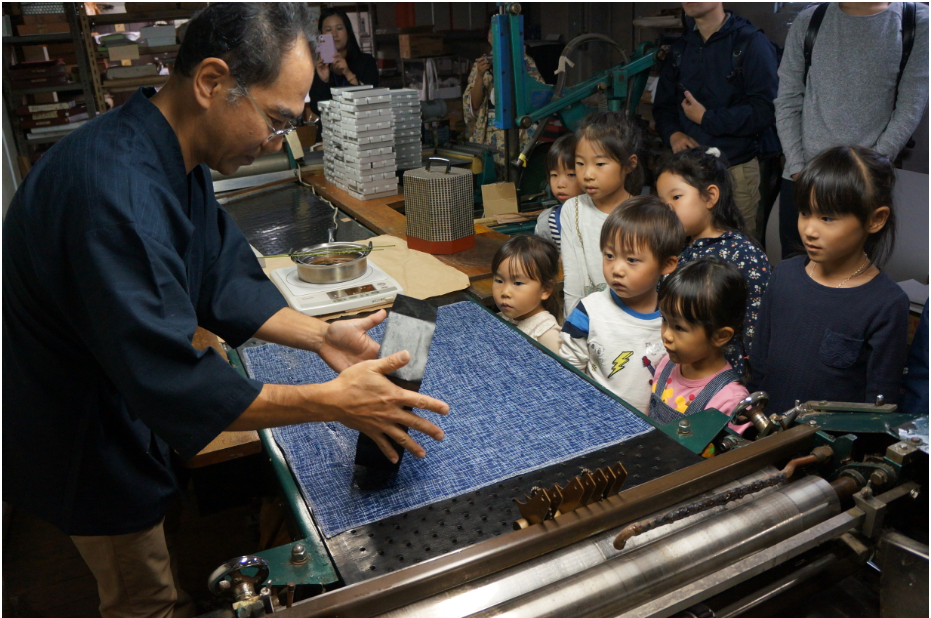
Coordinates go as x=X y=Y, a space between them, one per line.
x=562 y=152
x=644 y=221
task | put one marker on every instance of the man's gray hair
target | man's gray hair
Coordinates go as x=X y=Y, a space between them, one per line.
x=251 y=37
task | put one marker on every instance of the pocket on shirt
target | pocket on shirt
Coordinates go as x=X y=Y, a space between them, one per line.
x=839 y=351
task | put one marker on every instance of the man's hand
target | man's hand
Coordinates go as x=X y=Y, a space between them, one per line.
x=681 y=141
x=361 y=398
x=346 y=342
x=694 y=110
x=323 y=69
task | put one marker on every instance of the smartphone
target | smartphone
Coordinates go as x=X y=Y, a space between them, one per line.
x=326 y=48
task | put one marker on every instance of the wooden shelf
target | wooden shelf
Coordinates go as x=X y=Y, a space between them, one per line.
x=29 y=39
x=121 y=85
x=51 y=139
x=165 y=49
x=140 y=17
x=59 y=88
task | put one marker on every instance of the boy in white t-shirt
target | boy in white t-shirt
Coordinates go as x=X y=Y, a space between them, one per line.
x=615 y=335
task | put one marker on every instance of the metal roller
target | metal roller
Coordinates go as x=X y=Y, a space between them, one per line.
x=551 y=568
x=678 y=559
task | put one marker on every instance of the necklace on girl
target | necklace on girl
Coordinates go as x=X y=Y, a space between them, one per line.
x=858 y=271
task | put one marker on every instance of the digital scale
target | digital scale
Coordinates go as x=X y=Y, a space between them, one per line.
x=375 y=287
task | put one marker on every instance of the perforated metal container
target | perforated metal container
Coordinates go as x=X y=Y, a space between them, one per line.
x=438 y=204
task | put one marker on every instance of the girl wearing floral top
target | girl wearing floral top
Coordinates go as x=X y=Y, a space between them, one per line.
x=478 y=108
x=697 y=186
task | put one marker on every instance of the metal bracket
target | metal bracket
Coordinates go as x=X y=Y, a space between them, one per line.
x=874 y=511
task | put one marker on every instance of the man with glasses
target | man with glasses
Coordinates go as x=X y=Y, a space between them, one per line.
x=115 y=250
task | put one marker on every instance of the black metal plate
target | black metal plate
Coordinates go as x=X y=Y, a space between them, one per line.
x=287 y=218
x=427 y=532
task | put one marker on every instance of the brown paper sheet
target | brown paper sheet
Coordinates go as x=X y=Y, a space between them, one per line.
x=420 y=274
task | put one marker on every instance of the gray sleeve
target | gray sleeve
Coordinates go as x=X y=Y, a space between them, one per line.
x=791 y=95
x=913 y=93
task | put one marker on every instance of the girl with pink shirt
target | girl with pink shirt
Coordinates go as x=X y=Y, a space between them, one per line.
x=703 y=305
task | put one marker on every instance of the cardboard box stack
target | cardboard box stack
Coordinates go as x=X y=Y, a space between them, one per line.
x=405 y=110
x=358 y=142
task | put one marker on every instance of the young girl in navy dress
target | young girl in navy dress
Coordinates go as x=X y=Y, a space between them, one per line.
x=833 y=326
x=697 y=186
x=702 y=304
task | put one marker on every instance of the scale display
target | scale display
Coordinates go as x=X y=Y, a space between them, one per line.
x=375 y=287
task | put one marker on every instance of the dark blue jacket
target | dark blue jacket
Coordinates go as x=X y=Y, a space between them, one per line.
x=112 y=256
x=739 y=109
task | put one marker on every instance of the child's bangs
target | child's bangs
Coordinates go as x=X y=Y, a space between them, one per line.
x=828 y=188
x=522 y=263
x=689 y=300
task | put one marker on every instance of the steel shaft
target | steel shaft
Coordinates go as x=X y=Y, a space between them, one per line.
x=677 y=559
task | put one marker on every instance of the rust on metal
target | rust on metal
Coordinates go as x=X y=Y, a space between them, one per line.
x=688 y=510
x=393 y=590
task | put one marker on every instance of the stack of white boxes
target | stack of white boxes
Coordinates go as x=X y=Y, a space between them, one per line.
x=405 y=108
x=358 y=142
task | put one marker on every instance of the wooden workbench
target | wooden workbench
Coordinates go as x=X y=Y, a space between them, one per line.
x=381 y=216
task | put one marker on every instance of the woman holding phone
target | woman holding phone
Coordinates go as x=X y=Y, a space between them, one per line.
x=350 y=66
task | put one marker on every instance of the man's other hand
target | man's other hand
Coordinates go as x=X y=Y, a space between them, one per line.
x=361 y=398
x=346 y=342
x=681 y=141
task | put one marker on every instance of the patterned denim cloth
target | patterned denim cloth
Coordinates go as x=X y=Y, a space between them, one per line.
x=514 y=409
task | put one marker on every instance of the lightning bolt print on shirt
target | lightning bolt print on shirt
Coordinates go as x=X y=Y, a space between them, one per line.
x=614 y=345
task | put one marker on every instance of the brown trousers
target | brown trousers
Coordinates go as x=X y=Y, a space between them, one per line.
x=134 y=575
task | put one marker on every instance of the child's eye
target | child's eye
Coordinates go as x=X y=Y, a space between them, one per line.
x=633 y=260
x=827 y=219
x=680 y=329
x=499 y=280
x=572 y=174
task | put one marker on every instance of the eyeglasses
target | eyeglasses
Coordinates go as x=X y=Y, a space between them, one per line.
x=274 y=132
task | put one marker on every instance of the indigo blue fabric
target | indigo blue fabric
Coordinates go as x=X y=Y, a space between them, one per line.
x=514 y=409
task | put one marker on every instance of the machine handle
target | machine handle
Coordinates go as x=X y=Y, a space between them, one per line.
x=446 y=161
x=233 y=570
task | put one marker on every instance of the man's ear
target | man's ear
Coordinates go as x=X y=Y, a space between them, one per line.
x=212 y=81
x=722 y=337
x=669 y=265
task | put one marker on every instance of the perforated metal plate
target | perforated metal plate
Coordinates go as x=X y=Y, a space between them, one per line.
x=449 y=525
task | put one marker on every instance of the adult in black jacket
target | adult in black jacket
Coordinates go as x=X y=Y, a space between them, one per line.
x=705 y=98
x=350 y=66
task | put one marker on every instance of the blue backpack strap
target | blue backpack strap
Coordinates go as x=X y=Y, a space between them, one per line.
x=711 y=389
x=813 y=26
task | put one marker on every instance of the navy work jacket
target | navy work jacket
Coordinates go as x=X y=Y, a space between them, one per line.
x=739 y=109
x=112 y=256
